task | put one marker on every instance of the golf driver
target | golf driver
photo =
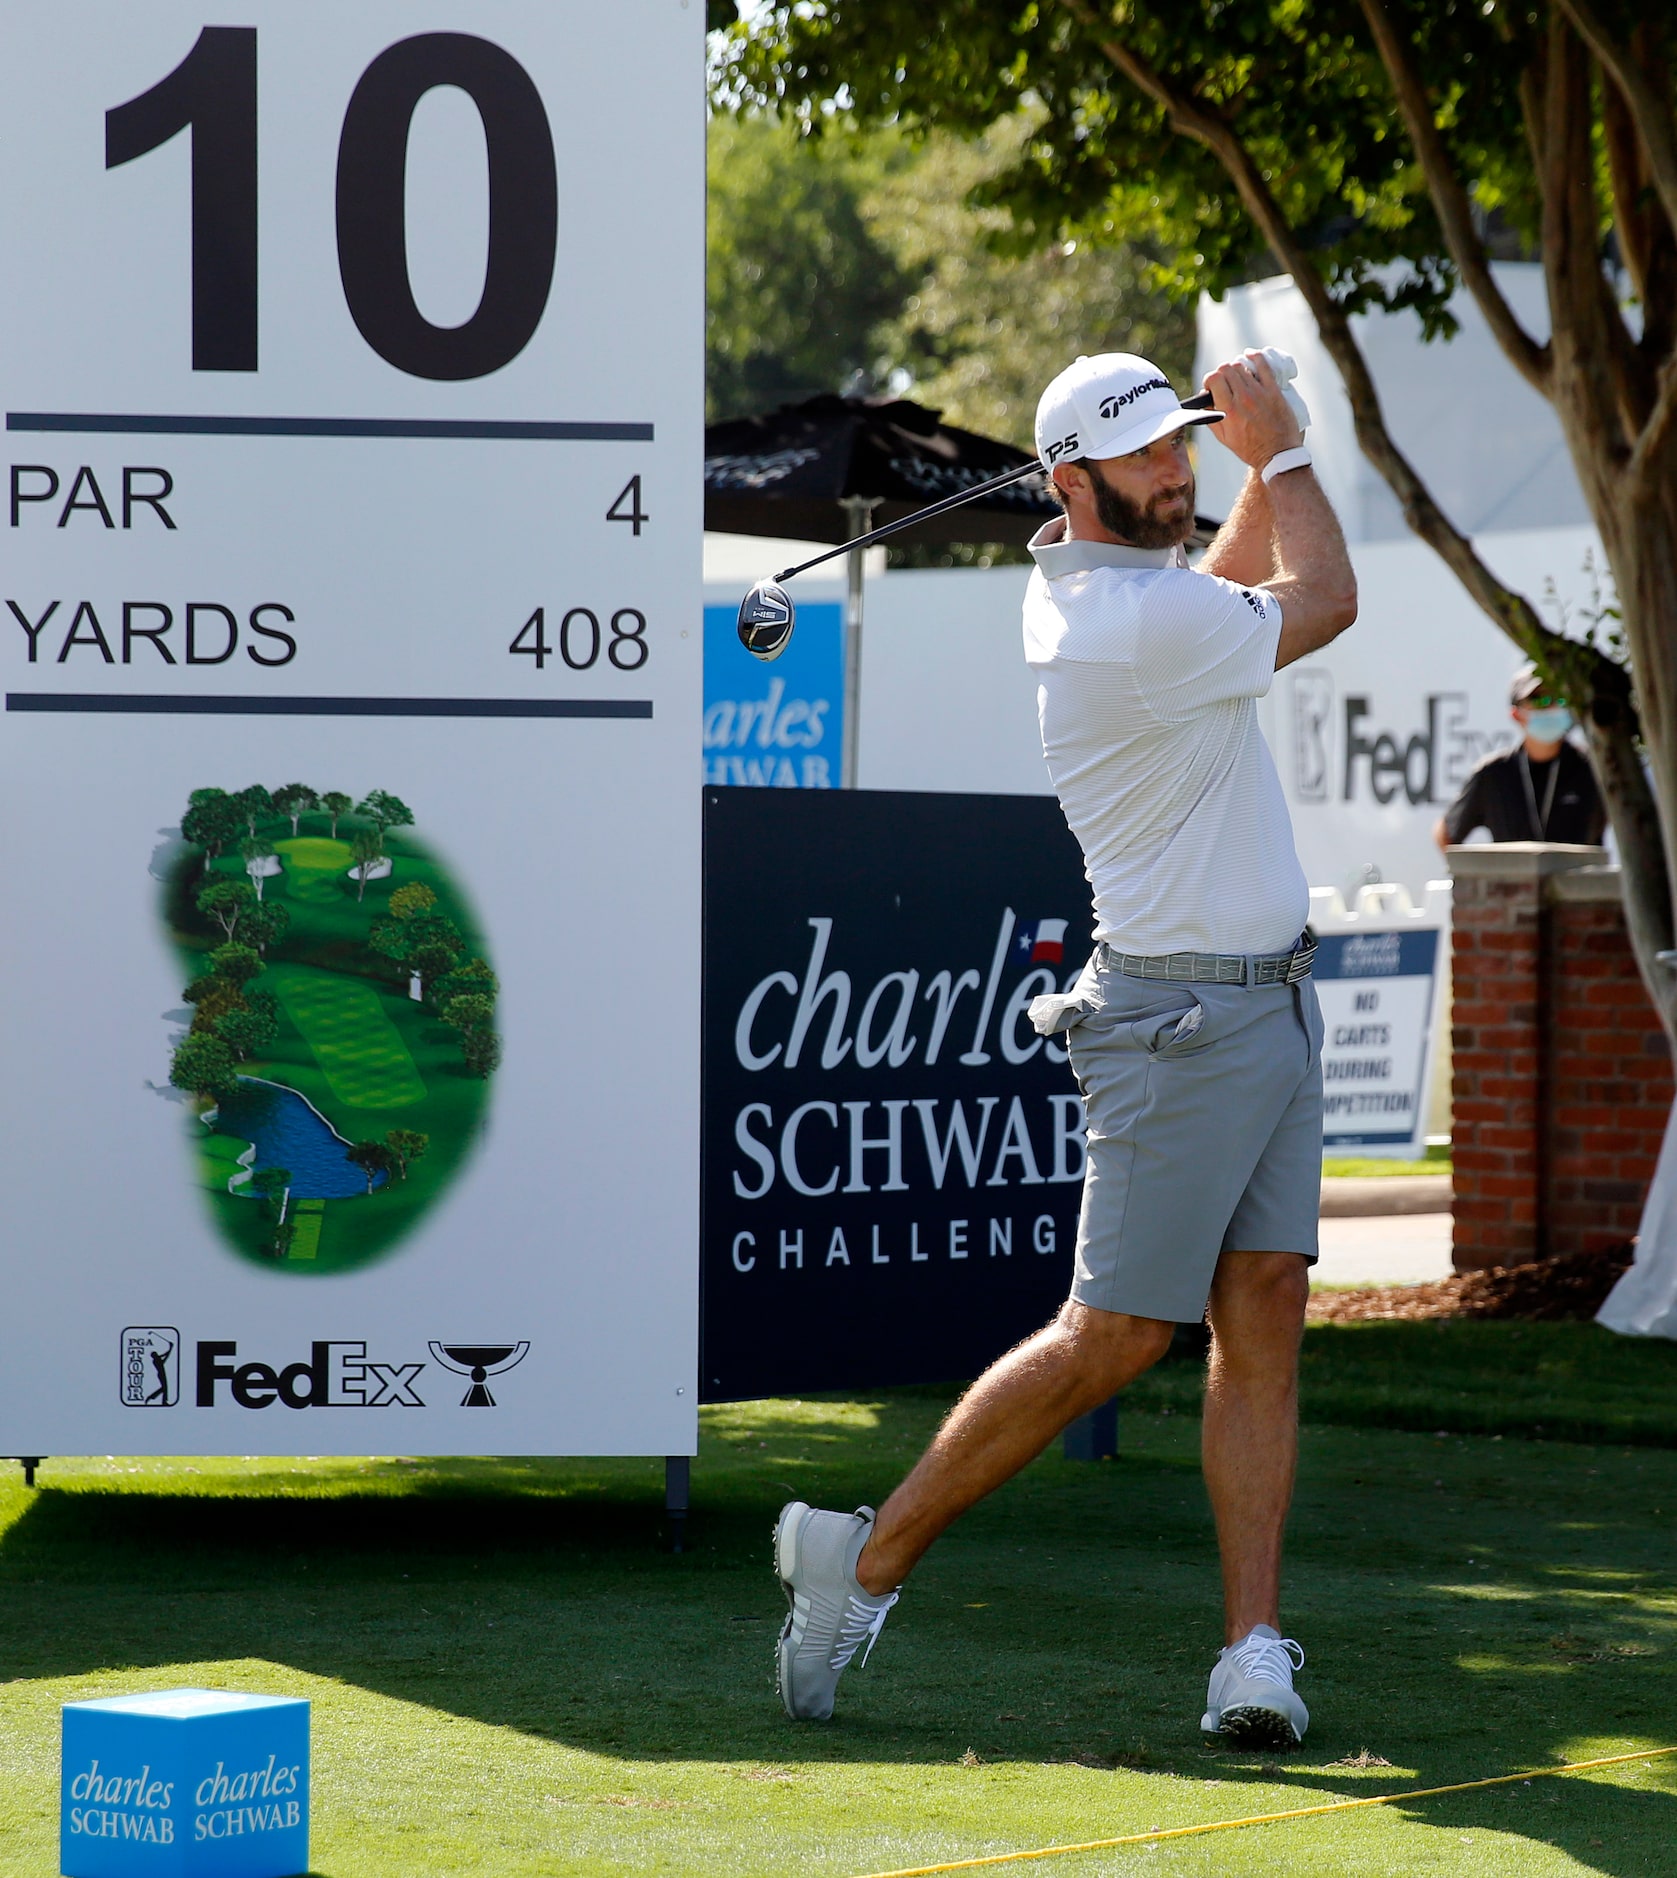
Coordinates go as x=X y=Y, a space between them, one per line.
x=767 y=616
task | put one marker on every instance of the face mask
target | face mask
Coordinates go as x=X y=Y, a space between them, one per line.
x=1549 y=726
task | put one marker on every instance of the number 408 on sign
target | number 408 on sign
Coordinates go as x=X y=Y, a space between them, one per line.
x=580 y=638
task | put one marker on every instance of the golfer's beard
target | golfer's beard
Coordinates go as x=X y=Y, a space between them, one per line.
x=1140 y=526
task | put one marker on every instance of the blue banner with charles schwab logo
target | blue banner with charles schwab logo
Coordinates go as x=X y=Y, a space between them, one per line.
x=778 y=726
x=893 y=1158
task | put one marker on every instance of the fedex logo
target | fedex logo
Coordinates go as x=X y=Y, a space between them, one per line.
x=337 y=1375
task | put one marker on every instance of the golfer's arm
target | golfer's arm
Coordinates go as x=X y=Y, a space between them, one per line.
x=1314 y=582
x=1243 y=549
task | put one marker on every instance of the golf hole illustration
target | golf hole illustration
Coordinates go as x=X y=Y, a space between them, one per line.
x=342 y=1039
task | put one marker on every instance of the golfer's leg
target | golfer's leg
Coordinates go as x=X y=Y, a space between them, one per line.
x=1004 y=1421
x=1250 y=1432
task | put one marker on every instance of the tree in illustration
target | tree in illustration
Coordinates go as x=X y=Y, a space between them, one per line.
x=291 y=799
x=212 y=819
x=256 y=852
x=203 y=1066
x=255 y=805
x=436 y=944
x=384 y=810
x=367 y=847
x=265 y=924
x=414 y=898
x=212 y=998
x=473 y=1015
x=407 y=1144
x=469 y=1012
x=246 y=1031
x=336 y=803
x=480 y=1050
x=470 y=978
x=373 y=1158
x=424 y=944
x=235 y=964
x=227 y=902
x=270 y=1183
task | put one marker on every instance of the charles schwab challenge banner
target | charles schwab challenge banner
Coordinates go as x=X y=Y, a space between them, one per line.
x=778 y=726
x=893 y=1158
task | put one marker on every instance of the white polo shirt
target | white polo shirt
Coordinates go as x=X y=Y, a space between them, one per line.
x=1148 y=675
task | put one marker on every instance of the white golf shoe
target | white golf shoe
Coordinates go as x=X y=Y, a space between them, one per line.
x=1251 y=1700
x=830 y=1615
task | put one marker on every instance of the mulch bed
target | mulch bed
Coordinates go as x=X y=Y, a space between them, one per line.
x=1550 y=1291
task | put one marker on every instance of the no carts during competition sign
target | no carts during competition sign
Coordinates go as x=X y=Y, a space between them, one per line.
x=350 y=660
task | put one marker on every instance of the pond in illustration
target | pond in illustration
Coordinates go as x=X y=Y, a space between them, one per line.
x=288 y=1133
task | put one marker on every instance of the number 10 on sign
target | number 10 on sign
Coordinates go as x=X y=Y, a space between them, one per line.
x=212 y=94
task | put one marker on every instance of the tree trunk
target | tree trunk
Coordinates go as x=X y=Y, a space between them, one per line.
x=1641 y=546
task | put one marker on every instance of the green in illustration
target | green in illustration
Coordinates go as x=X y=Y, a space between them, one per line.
x=342 y=1033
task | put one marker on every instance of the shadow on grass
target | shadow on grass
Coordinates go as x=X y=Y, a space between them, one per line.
x=1470 y=1607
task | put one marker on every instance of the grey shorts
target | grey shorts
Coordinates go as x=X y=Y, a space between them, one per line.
x=1205 y=1134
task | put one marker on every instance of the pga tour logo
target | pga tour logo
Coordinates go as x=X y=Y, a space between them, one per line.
x=150 y=1373
x=335 y=1374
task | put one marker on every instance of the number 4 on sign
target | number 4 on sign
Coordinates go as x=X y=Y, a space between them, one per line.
x=538 y=648
x=630 y=493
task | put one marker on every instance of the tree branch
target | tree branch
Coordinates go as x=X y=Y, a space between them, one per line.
x=1509 y=610
x=1455 y=211
x=1650 y=112
x=1642 y=466
x=1601 y=387
x=1627 y=176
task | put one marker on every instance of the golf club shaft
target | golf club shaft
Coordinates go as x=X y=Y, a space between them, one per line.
x=1032 y=468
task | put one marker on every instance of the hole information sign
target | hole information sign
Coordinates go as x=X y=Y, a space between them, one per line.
x=351 y=368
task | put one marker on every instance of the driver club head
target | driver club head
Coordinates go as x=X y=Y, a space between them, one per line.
x=765 y=621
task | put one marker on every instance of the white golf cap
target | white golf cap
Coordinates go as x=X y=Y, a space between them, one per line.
x=1108 y=405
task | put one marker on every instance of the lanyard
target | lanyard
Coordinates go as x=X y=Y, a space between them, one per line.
x=1540 y=819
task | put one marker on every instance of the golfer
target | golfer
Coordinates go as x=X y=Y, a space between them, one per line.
x=1194 y=1031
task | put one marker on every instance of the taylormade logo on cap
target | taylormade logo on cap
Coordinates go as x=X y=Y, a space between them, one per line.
x=1107 y=405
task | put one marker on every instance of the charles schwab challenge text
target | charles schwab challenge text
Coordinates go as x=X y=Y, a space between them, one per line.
x=971 y=1156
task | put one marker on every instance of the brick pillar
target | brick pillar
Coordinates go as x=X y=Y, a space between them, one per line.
x=1497 y=1098
x=1608 y=1079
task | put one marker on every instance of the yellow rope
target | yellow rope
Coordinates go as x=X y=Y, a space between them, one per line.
x=1265 y=1819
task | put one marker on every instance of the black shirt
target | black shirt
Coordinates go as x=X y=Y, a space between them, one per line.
x=1518 y=800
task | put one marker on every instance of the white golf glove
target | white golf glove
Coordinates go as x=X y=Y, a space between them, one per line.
x=1285 y=368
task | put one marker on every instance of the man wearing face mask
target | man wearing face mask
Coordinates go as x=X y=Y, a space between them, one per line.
x=1541 y=790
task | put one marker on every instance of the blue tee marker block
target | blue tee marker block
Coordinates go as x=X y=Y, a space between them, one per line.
x=188 y=1783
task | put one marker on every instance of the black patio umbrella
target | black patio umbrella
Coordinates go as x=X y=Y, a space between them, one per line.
x=796 y=471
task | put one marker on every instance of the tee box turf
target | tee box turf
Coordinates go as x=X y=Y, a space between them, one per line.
x=186 y=1783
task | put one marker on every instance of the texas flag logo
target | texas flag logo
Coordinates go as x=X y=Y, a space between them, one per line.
x=1039 y=942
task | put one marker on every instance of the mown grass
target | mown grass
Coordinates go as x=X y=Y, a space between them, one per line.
x=1567 y=1382
x=511 y=1676
x=1436 y=1160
